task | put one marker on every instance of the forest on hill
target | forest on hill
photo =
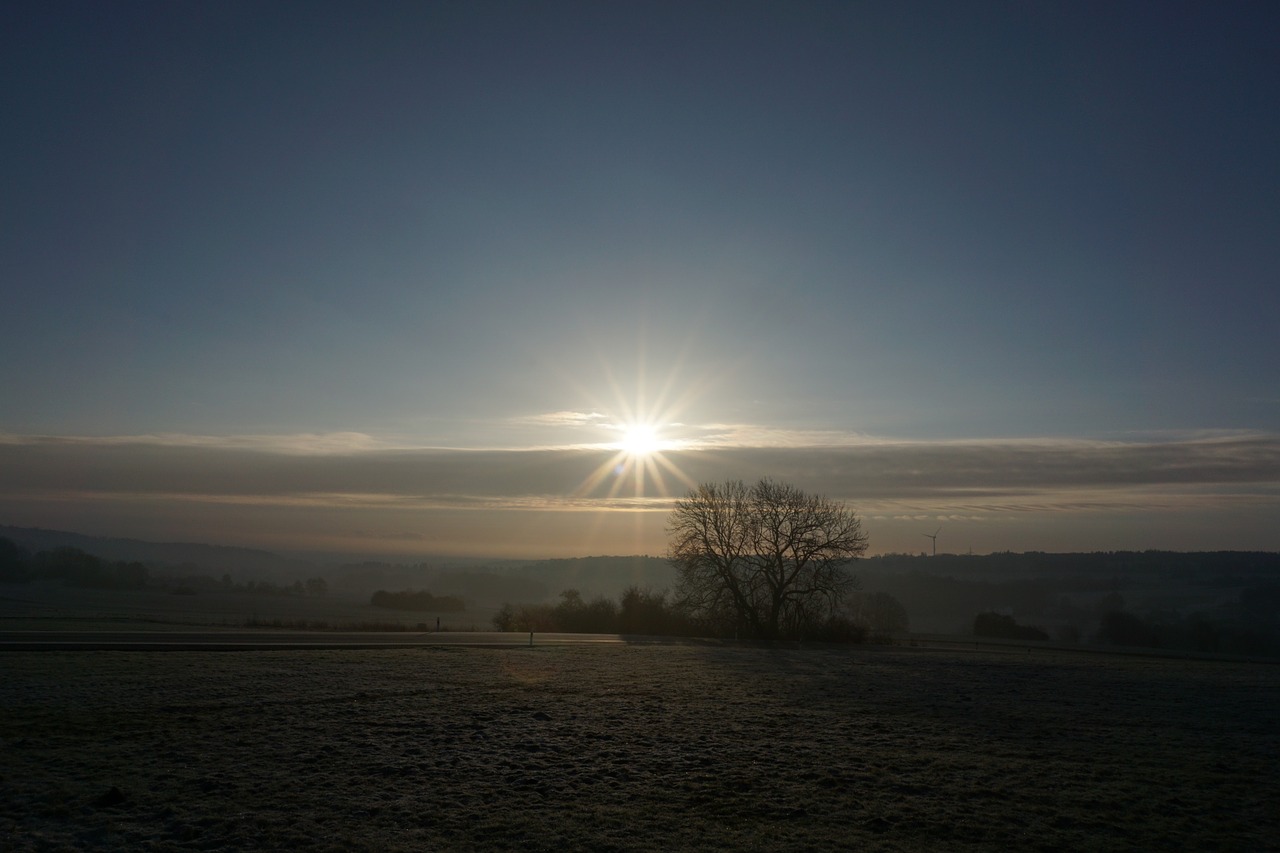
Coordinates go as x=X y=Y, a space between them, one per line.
x=1220 y=601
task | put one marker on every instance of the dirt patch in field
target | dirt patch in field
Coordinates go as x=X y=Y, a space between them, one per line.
x=637 y=747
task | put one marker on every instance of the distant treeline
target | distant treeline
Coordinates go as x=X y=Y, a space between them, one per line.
x=190 y=584
x=641 y=611
x=1225 y=601
x=209 y=558
x=77 y=568
x=1004 y=627
x=1195 y=633
x=1090 y=571
x=419 y=600
x=479 y=584
x=491 y=583
x=1199 y=632
x=71 y=566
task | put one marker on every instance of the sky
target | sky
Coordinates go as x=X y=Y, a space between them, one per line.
x=506 y=279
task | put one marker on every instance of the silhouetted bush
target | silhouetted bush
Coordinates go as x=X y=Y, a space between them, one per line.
x=1067 y=634
x=838 y=629
x=417 y=600
x=79 y=568
x=1260 y=603
x=325 y=625
x=880 y=612
x=1205 y=633
x=1121 y=628
x=641 y=611
x=1004 y=627
x=14 y=566
x=526 y=617
x=572 y=614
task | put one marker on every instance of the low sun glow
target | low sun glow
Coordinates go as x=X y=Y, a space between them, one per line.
x=640 y=444
x=640 y=460
x=639 y=440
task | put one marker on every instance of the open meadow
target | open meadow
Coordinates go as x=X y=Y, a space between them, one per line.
x=635 y=747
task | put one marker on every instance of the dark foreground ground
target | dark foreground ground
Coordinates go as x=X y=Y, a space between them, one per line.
x=635 y=747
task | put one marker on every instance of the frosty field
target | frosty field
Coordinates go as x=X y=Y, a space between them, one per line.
x=635 y=747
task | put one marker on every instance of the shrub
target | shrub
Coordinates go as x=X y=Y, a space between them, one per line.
x=525 y=618
x=572 y=614
x=881 y=613
x=417 y=600
x=1121 y=628
x=642 y=611
x=839 y=629
x=1004 y=627
x=13 y=563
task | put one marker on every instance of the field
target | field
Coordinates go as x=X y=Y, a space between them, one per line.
x=635 y=747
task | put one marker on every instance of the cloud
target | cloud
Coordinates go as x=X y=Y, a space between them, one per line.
x=313 y=491
x=298 y=443
x=729 y=435
x=1043 y=474
x=566 y=418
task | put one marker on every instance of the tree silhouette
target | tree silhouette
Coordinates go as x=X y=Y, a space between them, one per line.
x=1000 y=625
x=13 y=562
x=769 y=558
x=882 y=613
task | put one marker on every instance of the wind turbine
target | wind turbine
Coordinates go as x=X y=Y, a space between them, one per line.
x=934 y=537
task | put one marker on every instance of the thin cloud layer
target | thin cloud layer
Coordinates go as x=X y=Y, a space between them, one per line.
x=564 y=418
x=300 y=443
x=355 y=494
x=353 y=464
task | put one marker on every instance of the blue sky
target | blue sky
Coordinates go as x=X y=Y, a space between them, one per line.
x=1009 y=269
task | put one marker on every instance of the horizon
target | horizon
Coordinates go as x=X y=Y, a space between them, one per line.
x=1193 y=494
x=330 y=558
x=507 y=278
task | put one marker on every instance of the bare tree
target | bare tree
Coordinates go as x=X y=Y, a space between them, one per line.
x=770 y=557
x=881 y=613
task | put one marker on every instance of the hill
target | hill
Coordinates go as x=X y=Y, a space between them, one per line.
x=1221 y=600
x=186 y=557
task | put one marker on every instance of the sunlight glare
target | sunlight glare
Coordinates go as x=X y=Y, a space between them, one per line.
x=639 y=440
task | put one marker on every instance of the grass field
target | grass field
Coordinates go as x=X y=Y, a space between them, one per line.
x=635 y=747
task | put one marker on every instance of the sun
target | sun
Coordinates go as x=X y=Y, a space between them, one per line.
x=640 y=440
